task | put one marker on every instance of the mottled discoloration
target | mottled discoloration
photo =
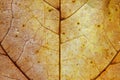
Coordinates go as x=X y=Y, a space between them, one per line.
x=90 y=39
x=28 y=35
x=59 y=39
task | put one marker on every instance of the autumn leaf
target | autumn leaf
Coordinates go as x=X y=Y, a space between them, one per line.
x=59 y=39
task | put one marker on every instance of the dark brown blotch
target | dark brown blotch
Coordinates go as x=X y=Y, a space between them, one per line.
x=116 y=9
x=38 y=61
x=98 y=26
x=16 y=35
x=63 y=33
x=50 y=10
x=23 y=25
x=91 y=62
x=109 y=19
x=78 y=23
x=73 y=1
x=109 y=13
x=37 y=51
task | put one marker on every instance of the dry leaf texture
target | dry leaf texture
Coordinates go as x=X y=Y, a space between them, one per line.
x=59 y=39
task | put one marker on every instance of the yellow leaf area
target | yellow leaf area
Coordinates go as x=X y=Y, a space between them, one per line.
x=59 y=40
x=90 y=35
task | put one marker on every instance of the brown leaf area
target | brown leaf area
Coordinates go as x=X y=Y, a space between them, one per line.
x=59 y=39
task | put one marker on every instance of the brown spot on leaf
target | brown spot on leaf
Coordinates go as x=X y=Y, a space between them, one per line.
x=73 y=1
x=63 y=33
x=37 y=51
x=23 y=25
x=98 y=26
x=109 y=13
x=91 y=62
x=50 y=10
x=109 y=19
x=78 y=23
x=16 y=35
x=77 y=64
x=116 y=9
x=38 y=62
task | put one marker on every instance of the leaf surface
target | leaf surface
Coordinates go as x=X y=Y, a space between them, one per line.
x=59 y=39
